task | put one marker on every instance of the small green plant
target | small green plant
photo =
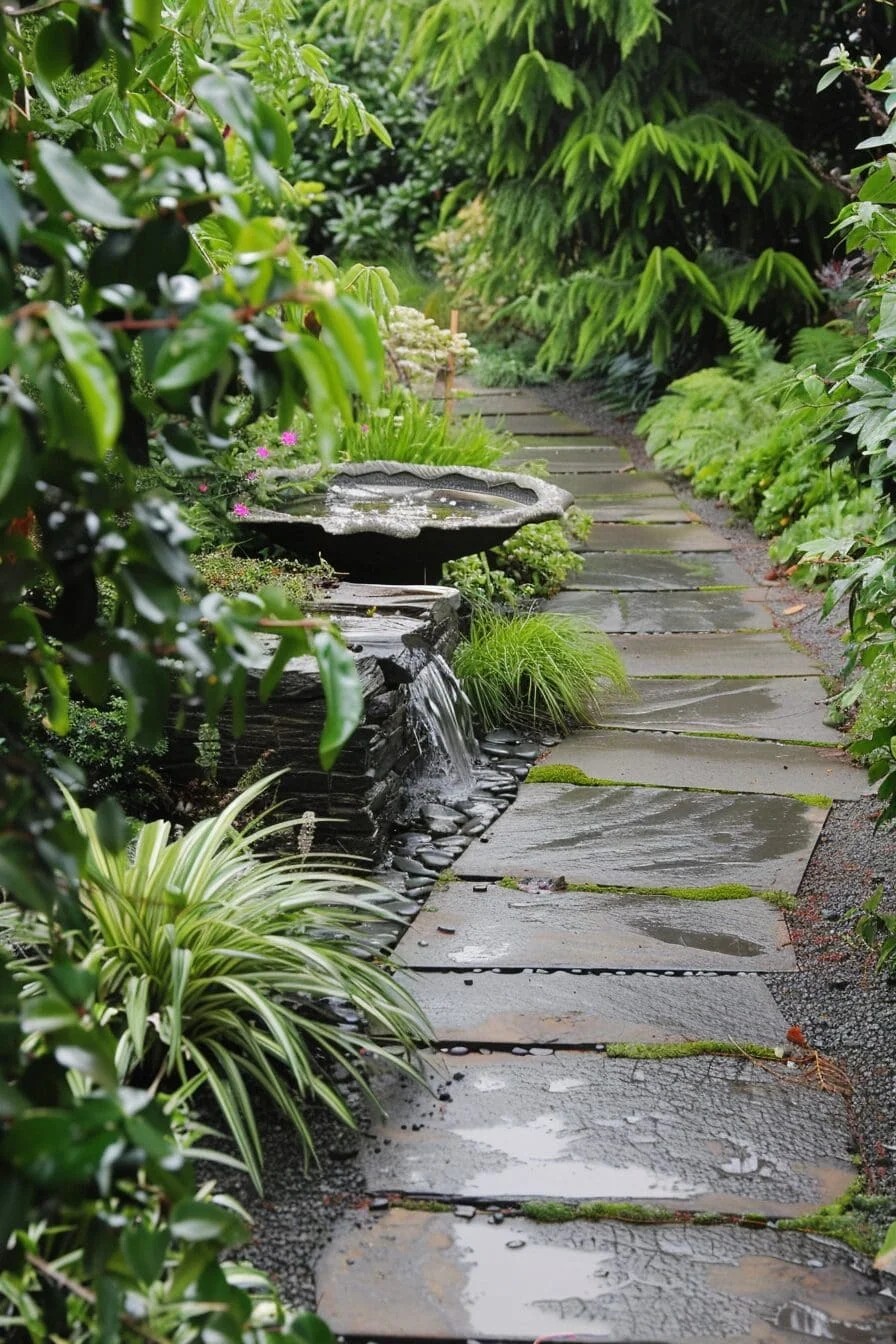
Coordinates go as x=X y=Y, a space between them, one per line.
x=405 y=429
x=536 y=668
x=535 y=562
x=98 y=744
x=877 y=929
x=877 y=705
x=419 y=351
x=223 y=572
x=220 y=967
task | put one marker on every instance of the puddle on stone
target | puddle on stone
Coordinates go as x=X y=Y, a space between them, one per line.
x=726 y=943
x=545 y=1148
x=802 y=1319
x=478 y=952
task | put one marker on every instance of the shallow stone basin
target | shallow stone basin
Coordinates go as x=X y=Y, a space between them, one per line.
x=401 y=521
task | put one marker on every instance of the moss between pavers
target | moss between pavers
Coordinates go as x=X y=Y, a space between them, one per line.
x=725 y=891
x=845 y=1220
x=594 y=1211
x=685 y=1049
x=573 y=774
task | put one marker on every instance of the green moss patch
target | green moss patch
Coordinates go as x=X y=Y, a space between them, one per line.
x=573 y=774
x=845 y=1220
x=725 y=891
x=686 y=1049
x=595 y=1211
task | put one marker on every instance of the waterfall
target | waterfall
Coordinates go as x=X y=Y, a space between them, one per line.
x=443 y=723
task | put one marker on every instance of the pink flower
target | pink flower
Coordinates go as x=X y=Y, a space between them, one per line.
x=241 y=511
x=365 y=429
x=262 y=452
x=251 y=475
x=289 y=438
x=202 y=488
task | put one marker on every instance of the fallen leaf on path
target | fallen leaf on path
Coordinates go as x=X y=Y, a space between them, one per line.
x=792 y=611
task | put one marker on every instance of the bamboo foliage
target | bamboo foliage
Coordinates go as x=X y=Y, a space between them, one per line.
x=647 y=175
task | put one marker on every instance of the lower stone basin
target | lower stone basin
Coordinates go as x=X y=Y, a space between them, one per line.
x=396 y=521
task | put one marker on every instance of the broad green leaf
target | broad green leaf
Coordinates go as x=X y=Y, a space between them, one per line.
x=148 y=14
x=112 y=825
x=11 y=444
x=92 y=375
x=79 y=189
x=343 y=694
x=11 y=213
x=199 y=1220
x=144 y=1249
x=306 y=1328
x=55 y=49
x=194 y=350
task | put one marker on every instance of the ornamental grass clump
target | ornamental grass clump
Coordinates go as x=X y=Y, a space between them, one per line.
x=224 y=970
x=536 y=669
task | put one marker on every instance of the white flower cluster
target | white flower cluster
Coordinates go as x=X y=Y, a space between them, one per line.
x=419 y=350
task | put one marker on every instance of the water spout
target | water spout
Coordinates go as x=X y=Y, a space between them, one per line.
x=443 y=723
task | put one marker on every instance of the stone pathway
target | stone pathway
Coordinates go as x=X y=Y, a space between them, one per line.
x=580 y=1169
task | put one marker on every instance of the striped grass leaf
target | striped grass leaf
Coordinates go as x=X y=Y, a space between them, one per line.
x=226 y=965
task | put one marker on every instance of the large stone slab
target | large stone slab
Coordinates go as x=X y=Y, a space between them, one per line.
x=675 y=760
x=651 y=536
x=547 y=422
x=585 y=460
x=622 y=571
x=789 y=709
x=629 y=485
x=427 y=1276
x=510 y=402
x=710 y=1132
x=748 y=655
x=668 y=612
x=646 y=510
x=459 y=927
x=532 y=1008
x=631 y=837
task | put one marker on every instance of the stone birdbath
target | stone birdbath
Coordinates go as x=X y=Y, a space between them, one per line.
x=399 y=522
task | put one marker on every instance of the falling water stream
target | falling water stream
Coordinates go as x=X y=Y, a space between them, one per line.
x=443 y=723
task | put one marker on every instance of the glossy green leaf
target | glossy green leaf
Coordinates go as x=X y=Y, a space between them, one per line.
x=343 y=693
x=79 y=189
x=55 y=49
x=194 y=350
x=92 y=375
x=112 y=825
x=198 y=1220
x=11 y=213
x=148 y=15
x=145 y=1248
x=11 y=445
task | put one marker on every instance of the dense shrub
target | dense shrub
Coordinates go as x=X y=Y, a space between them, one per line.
x=650 y=167
x=535 y=562
x=377 y=198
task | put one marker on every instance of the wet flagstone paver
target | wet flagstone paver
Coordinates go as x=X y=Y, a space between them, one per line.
x=563 y=1009
x=530 y=984
x=621 y=571
x=651 y=536
x=716 y=1133
x=787 y=709
x=581 y=460
x=719 y=655
x=668 y=612
x=644 y=837
x=628 y=756
x=548 y=422
x=630 y=485
x=502 y=927
x=424 y=1276
x=635 y=511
